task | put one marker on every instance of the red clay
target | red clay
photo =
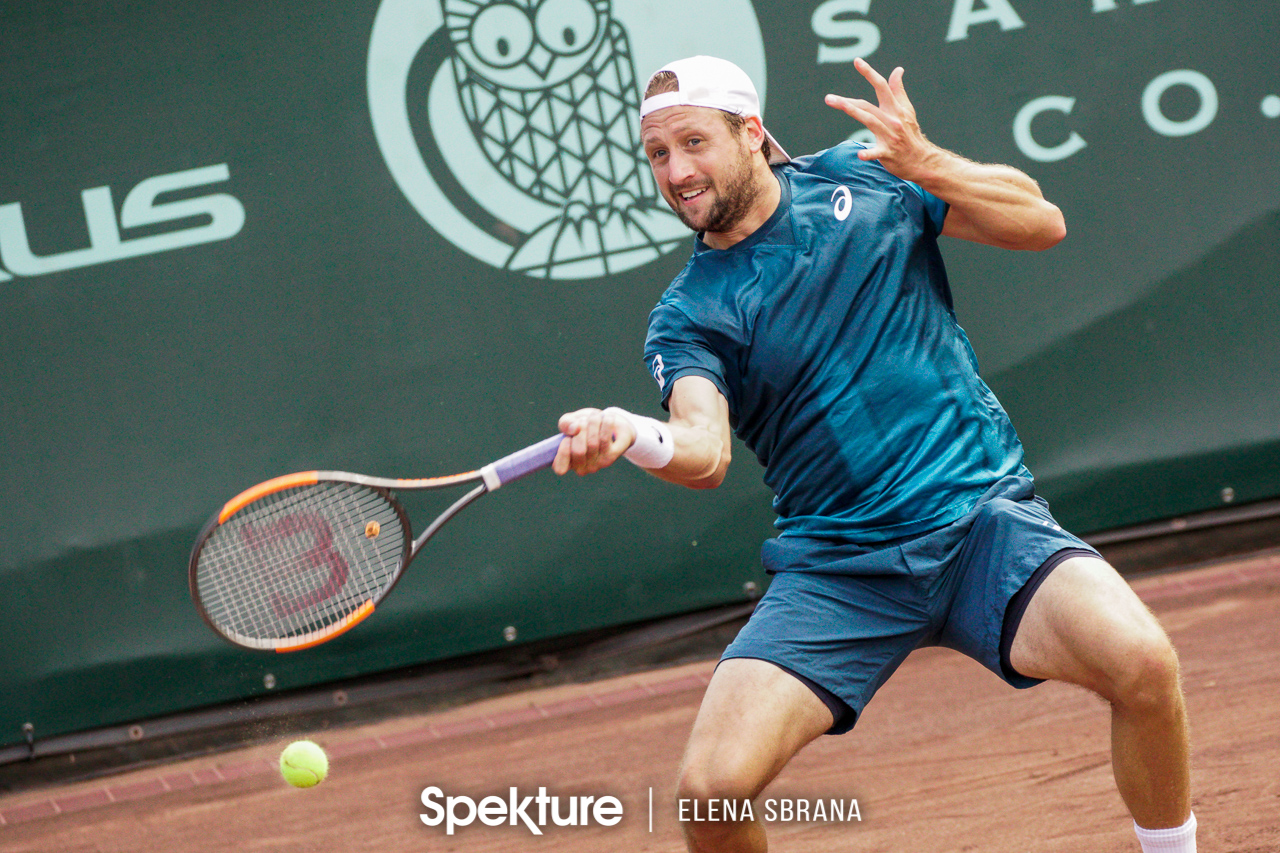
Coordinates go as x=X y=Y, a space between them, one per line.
x=946 y=758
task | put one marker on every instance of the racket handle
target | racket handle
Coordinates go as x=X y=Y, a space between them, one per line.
x=535 y=457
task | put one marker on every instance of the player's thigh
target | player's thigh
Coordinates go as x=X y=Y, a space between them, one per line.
x=1085 y=625
x=754 y=718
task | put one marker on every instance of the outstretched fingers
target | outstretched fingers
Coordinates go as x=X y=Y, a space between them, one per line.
x=896 y=86
x=884 y=91
x=861 y=110
x=900 y=145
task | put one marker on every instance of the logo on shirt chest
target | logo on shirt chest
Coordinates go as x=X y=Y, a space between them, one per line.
x=843 y=201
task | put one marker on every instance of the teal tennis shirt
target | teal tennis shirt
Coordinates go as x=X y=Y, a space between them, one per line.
x=832 y=334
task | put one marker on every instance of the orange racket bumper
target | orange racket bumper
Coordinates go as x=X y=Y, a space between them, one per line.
x=279 y=484
x=348 y=622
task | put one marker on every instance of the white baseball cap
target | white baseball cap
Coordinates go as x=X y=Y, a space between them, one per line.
x=706 y=81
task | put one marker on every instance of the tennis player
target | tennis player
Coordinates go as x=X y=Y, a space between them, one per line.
x=815 y=319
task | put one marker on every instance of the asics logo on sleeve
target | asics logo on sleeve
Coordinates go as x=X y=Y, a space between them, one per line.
x=658 y=367
x=843 y=203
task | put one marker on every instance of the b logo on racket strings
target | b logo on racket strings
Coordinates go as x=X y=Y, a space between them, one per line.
x=319 y=559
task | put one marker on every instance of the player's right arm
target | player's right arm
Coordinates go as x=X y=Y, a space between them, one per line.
x=699 y=426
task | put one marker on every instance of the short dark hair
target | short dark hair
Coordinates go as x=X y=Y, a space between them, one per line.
x=666 y=81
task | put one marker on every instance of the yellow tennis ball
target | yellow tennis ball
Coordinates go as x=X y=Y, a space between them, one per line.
x=303 y=764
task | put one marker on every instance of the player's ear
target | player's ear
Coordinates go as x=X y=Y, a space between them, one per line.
x=754 y=130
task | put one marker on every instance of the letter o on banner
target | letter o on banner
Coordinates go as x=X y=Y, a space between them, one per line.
x=1165 y=126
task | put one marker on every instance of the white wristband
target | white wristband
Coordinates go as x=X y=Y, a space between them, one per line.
x=654 y=445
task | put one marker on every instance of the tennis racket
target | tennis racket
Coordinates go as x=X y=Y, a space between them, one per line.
x=298 y=560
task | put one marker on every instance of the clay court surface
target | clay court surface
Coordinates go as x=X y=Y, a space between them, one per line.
x=946 y=758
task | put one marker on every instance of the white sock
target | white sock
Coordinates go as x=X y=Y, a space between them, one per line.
x=1179 y=840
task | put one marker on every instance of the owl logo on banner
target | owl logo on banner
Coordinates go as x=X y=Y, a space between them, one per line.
x=512 y=126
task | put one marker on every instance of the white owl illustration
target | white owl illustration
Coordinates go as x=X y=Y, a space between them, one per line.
x=548 y=88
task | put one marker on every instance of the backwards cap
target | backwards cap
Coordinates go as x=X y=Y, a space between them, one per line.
x=705 y=81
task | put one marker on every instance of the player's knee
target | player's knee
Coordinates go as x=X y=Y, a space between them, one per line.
x=710 y=801
x=707 y=783
x=1147 y=677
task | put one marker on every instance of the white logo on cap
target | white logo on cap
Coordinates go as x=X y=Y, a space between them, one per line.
x=518 y=141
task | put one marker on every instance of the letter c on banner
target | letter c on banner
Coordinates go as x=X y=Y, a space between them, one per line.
x=1027 y=143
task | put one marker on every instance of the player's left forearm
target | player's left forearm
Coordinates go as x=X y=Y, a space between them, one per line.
x=996 y=205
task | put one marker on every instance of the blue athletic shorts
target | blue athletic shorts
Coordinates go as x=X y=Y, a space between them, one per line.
x=842 y=617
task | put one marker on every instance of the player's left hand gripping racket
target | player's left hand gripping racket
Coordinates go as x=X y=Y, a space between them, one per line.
x=298 y=560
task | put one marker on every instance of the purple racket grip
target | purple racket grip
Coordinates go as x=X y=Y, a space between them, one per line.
x=535 y=457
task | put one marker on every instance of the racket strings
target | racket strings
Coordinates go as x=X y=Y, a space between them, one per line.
x=300 y=561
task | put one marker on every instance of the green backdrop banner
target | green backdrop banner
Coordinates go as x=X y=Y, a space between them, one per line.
x=402 y=237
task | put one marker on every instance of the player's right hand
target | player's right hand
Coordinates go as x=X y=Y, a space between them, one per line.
x=594 y=440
